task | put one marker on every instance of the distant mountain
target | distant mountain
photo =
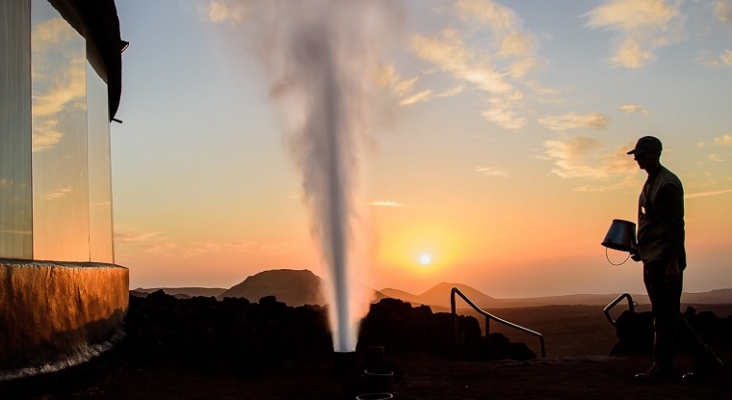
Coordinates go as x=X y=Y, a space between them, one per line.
x=719 y=296
x=186 y=291
x=401 y=295
x=299 y=287
x=294 y=287
x=439 y=297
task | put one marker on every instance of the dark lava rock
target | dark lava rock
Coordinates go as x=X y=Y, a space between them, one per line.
x=635 y=331
x=398 y=326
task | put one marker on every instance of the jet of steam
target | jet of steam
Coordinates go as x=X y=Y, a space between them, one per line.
x=323 y=57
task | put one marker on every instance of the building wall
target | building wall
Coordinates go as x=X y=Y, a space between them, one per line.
x=55 y=181
x=55 y=170
x=16 y=215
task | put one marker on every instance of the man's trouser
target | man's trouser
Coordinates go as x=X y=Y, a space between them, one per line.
x=665 y=295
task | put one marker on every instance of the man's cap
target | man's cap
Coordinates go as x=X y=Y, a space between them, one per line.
x=647 y=144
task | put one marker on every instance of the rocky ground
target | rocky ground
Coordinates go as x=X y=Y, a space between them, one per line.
x=202 y=349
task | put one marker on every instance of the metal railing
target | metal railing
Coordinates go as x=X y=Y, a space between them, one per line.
x=488 y=316
x=631 y=306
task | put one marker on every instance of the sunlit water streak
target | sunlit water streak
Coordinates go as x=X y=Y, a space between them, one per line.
x=79 y=355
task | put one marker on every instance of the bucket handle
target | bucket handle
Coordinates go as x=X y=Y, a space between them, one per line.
x=608 y=259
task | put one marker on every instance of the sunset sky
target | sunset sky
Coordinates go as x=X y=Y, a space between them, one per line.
x=496 y=157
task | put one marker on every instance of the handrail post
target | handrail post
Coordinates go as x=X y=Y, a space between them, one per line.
x=543 y=350
x=455 y=323
x=631 y=306
x=487 y=334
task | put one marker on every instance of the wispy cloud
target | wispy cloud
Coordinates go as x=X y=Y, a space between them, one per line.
x=643 y=27
x=422 y=96
x=57 y=91
x=222 y=11
x=451 y=54
x=726 y=57
x=707 y=194
x=126 y=234
x=725 y=140
x=723 y=60
x=513 y=42
x=498 y=68
x=715 y=158
x=385 y=203
x=573 y=120
x=156 y=245
x=492 y=171
x=723 y=11
x=581 y=158
x=633 y=109
x=58 y=193
x=452 y=92
x=401 y=88
x=502 y=114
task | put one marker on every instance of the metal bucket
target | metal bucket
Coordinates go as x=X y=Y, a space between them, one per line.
x=621 y=236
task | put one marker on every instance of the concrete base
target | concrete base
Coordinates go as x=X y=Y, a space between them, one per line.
x=48 y=310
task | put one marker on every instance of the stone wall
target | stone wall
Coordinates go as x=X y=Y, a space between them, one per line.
x=48 y=310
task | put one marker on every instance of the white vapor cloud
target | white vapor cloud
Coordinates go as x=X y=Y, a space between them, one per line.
x=715 y=158
x=643 y=26
x=573 y=120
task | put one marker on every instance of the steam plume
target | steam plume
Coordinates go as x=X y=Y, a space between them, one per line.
x=323 y=57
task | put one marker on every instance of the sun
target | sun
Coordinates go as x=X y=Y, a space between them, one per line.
x=425 y=259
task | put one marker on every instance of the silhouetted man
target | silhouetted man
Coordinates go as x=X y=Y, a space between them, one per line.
x=661 y=248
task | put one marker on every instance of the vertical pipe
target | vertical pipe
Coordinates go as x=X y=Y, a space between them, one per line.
x=455 y=323
x=487 y=334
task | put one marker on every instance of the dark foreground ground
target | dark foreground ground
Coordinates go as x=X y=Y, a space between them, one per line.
x=424 y=378
x=578 y=366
